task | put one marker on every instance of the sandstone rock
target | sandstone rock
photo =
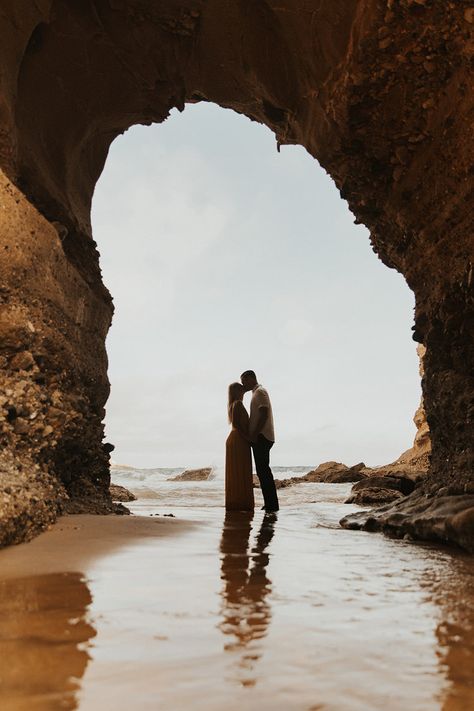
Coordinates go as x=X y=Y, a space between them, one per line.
x=22 y=361
x=20 y=426
x=469 y=15
x=120 y=493
x=336 y=473
x=193 y=475
x=30 y=500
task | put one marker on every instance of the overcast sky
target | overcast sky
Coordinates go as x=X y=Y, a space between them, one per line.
x=222 y=255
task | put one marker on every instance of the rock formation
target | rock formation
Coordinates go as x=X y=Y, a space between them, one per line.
x=416 y=459
x=379 y=91
x=380 y=489
x=326 y=473
x=120 y=493
x=193 y=475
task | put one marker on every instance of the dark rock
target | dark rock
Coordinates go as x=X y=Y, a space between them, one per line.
x=20 y=426
x=398 y=483
x=445 y=519
x=374 y=496
x=22 y=361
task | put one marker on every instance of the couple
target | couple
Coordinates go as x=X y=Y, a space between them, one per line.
x=256 y=433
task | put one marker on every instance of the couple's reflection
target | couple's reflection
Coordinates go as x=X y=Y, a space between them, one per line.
x=246 y=612
x=43 y=627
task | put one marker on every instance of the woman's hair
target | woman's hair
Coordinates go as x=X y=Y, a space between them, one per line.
x=235 y=391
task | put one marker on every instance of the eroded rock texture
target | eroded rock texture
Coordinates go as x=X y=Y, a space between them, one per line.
x=379 y=91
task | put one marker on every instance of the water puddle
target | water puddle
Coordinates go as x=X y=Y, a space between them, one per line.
x=282 y=612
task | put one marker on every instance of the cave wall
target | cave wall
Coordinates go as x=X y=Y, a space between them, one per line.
x=379 y=91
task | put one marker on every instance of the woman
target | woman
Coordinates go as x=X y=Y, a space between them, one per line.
x=238 y=455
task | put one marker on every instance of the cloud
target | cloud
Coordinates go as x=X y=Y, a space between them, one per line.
x=296 y=332
x=222 y=255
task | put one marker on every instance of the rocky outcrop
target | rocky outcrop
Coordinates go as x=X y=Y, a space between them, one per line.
x=30 y=500
x=415 y=461
x=50 y=409
x=442 y=518
x=327 y=473
x=376 y=90
x=336 y=473
x=193 y=475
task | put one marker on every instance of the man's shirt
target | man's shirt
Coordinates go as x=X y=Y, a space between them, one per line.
x=260 y=398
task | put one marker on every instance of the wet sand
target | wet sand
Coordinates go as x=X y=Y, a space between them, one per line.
x=213 y=612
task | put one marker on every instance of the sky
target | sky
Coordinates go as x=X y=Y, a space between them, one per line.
x=224 y=255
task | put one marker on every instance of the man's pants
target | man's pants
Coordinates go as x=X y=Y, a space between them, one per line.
x=261 y=454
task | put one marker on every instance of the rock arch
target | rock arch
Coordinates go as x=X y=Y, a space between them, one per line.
x=379 y=91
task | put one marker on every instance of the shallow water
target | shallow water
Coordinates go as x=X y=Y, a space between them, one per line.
x=264 y=612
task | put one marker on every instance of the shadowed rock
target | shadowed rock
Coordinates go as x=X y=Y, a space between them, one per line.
x=380 y=489
x=374 y=496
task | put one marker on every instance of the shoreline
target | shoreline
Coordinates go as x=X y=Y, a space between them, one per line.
x=76 y=541
x=210 y=610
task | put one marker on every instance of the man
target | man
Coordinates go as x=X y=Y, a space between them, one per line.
x=262 y=437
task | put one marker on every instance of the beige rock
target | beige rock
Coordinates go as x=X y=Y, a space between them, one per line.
x=120 y=493
x=193 y=475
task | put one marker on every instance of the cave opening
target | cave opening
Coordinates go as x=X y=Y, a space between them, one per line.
x=395 y=142
x=221 y=252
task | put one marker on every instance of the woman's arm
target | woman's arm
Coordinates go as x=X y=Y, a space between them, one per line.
x=240 y=421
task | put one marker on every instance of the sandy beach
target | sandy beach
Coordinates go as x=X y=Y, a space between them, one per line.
x=206 y=611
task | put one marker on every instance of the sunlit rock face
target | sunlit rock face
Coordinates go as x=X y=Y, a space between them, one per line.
x=379 y=91
x=417 y=458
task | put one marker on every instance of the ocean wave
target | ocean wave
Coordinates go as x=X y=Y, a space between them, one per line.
x=157 y=484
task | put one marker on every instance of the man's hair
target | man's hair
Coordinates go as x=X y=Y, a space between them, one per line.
x=249 y=374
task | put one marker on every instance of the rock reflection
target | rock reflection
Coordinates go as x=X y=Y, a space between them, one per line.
x=455 y=633
x=42 y=630
x=246 y=613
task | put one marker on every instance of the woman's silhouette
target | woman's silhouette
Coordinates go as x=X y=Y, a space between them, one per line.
x=238 y=455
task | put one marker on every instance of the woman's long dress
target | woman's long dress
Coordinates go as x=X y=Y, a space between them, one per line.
x=238 y=464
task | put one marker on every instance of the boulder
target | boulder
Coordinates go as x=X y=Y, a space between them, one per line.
x=374 y=496
x=120 y=493
x=336 y=473
x=193 y=475
x=398 y=483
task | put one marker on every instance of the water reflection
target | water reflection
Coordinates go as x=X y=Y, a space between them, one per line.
x=453 y=591
x=42 y=630
x=246 y=613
